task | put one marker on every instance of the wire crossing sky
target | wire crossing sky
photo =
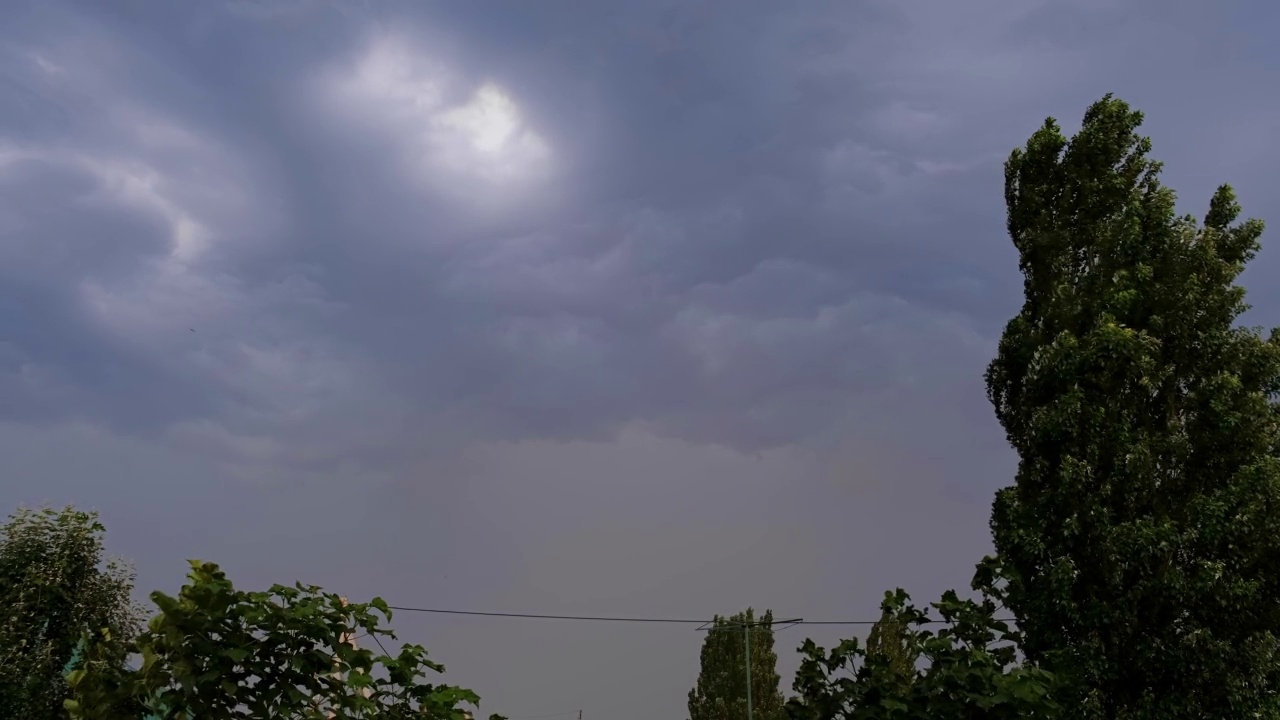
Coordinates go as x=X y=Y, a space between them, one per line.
x=622 y=619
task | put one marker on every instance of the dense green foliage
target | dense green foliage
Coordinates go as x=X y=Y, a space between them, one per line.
x=1140 y=545
x=721 y=690
x=970 y=670
x=218 y=653
x=890 y=643
x=55 y=586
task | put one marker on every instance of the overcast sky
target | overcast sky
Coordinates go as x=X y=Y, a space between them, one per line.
x=627 y=308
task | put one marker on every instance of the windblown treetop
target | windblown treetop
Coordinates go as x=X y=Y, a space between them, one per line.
x=1141 y=541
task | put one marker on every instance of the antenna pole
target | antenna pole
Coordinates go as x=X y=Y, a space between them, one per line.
x=746 y=625
x=746 y=637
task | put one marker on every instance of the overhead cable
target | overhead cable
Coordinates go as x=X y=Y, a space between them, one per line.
x=626 y=619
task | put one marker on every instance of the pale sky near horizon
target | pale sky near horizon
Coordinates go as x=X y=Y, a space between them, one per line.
x=608 y=308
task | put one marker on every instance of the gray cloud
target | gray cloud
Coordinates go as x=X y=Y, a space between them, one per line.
x=661 y=308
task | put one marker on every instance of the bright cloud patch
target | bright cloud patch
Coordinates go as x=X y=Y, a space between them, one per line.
x=492 y=127
x=446 y=132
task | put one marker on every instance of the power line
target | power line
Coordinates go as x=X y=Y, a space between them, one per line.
x=932 y=621
x=596 y=618
x=623 y=619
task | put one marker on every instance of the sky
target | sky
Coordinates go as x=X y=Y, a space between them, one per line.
x=660 y=309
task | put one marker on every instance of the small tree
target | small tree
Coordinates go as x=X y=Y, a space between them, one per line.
x=970 y=670
x=218 y=653
x=55 y=586
x=721 y=690
x=1140 y=545
x=890 y=643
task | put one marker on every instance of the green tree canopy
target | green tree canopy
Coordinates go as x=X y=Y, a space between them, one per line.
x=721 y=690
x=890 y=643
x=55 y=586
x=1140 y=544
x=970 y=670
x=219 y=653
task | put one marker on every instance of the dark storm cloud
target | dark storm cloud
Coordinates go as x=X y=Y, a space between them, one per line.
x=730 y=249
x=728 y=228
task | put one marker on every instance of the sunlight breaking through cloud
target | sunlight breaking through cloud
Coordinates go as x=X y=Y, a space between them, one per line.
x=413 y=100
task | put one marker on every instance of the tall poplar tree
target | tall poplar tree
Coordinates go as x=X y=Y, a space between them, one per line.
x=1140 y=545
x=721 y=691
